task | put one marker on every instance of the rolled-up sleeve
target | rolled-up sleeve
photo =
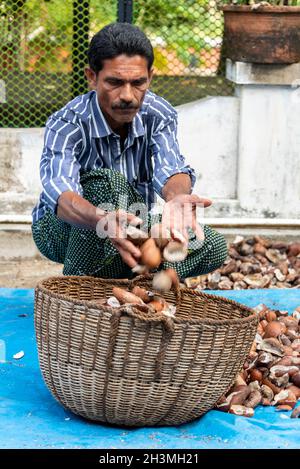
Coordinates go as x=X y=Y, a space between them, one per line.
x=166 y=155
x=59 y=167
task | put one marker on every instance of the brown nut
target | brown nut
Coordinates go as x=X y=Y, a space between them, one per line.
x=264 y=370
x=288 y=351
x=158 y=305
x=283 y=408
x=275 y=389
x=239 y=396
x=241 y=411
x=175 y=251
x=280 y=381
x=173 y=276
x=253 y=400
x=267 y=392
x=239 y=381
x=274 y=329
x=142 y=293
x=125 y=296
x=255 y=375
x=150 y=254
x=296 y=379
x=260 y=329
x=280 y=370
x=264 y=324
x=271 y=345
x=289 y=322
x=223 y=404
x=271 y=316
x=139 y=269
x=135 y=235
x=285 y=361
x=162 y=281
x=296 y=413
x=295 y=390
x=266 y=402
x=285 y=397
x=264 y=359
x=285 y=340
x=160 y=235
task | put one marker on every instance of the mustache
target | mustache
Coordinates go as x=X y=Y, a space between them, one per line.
x=125 y=105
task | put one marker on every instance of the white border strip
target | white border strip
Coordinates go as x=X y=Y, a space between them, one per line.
x=220 y=222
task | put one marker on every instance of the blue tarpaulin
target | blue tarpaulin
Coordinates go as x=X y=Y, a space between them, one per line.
x=31 y=418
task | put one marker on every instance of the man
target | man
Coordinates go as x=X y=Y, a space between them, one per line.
x=116 y=145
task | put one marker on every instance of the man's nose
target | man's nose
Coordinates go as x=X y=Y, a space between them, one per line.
x=126 y=93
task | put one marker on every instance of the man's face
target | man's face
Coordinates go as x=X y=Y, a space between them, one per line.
x=121 y=86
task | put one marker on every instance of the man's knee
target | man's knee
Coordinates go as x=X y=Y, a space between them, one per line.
x=217 y=250
x=50 y=235
x=212 y=254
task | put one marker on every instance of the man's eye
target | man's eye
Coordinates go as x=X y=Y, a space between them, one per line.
x=139 y=83
x=114 y=82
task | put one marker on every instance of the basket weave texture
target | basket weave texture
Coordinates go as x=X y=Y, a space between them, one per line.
x=126 y=367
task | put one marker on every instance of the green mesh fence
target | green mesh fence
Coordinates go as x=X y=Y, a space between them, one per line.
x=187 y=39
x=43 y=51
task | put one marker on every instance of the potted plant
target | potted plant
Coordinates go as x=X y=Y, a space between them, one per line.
x=265 y=32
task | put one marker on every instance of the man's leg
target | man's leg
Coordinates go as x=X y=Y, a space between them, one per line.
x=83 y=253
x=203 y=257
x=51 y=236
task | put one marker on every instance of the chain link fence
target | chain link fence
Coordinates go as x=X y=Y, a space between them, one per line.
x=43 y=46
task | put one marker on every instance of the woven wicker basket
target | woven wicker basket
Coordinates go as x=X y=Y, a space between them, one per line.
x=122 y=366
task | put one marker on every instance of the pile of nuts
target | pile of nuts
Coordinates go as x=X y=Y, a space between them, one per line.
x=254 y=263
x=144 y=300
x=271 y=373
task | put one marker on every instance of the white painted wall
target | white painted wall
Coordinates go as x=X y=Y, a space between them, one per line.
x=245 y=150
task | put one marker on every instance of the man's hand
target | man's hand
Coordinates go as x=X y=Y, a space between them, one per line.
x=179 y=214
x=113 y=225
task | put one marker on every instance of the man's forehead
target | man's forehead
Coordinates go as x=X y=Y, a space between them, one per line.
x=124 y=64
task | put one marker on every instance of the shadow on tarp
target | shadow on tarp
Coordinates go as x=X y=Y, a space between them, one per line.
x=31 y=418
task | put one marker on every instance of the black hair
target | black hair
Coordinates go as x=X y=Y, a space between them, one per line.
x=116 y=39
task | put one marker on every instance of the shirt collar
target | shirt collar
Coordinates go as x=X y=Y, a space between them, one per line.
x=100 y=127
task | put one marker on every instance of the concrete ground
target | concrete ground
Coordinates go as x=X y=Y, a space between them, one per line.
x=21 y=266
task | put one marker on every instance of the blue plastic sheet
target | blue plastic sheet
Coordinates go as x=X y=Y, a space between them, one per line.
x=31 y=418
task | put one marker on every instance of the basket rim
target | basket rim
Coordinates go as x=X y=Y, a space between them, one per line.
x=158 y=318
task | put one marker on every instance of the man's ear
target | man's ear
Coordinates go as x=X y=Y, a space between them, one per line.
x=91 y=78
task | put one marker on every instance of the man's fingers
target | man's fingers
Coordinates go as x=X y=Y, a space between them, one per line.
x=198 y=230
x=127 y=257
x=194 y=199
x=129 y=247
x=180 y=235
x=126 y=217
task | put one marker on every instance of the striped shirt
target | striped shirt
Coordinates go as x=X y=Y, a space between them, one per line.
x=78 y=138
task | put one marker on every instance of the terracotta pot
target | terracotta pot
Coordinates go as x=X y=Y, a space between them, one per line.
x=270 y=34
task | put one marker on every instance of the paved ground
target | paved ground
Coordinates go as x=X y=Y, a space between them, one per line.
x=26 y=273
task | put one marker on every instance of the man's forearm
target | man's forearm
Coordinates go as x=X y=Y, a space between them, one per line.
x=74 y=209
x=176 y=185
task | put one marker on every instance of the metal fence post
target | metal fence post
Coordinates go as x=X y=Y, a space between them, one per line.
x=81 y=17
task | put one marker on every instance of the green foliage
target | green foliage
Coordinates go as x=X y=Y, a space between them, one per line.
x=252 y=2
x=183 y=26
x=47 y=30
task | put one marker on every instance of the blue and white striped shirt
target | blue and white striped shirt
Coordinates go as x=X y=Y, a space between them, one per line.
x=78 y=138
